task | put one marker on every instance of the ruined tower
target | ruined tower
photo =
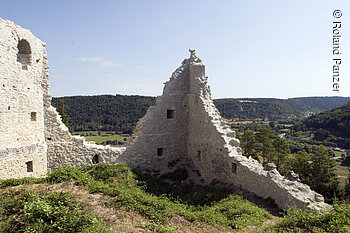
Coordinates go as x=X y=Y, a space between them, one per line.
x=186 y=128
x=22 y=138
x=33 y=139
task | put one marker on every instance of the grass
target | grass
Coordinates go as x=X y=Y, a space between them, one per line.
x=103 y=137
x=297 y=220
x=27 y=211
x=342 y=172
x=339 y=153
x=157 y=201
x=137 y=192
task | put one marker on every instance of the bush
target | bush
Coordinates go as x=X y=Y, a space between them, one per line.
x=297 y=220
x=55 y=212
x=212 y=205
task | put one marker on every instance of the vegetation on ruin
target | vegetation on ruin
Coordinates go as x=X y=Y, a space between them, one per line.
x=147 y=196
x=26 y=210
x=62 y=110
x=314 y=164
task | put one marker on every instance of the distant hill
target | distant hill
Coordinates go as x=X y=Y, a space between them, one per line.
x=255 y=108
x=316 y=104
x=332 y=126
x=120 y=113
x=276 y=109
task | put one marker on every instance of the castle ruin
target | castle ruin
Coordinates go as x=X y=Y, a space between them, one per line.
x=184 y=127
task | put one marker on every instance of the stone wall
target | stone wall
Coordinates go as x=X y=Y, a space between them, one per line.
x=198 y=135
x=33 y=138
x=215 y=152
x=62 y=147
x=160 y=136
x=23 y=148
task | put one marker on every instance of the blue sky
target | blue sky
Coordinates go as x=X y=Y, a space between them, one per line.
x=257 y=48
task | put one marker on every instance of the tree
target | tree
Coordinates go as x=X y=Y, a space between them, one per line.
x=62 y=110
x=301 y=164
x=324 y=179
x=248 y=144
x=282 y=150
x=265 y=146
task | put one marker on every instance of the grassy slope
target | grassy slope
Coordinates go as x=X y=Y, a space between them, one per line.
x=126 y=201
x=205 y=208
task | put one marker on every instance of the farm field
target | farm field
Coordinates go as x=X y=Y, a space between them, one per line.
x=104 y=137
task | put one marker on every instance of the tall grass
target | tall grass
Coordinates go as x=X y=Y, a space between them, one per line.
x=157 y=200
x=27 y=211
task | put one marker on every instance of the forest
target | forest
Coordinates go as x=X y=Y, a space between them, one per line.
x=313 y=164
x=331 y=128
x=120 y=113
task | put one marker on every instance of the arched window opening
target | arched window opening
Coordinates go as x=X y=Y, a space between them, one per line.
x=24 y=53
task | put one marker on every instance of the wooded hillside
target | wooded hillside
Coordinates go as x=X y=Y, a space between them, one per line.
x=332 y=126
x=120 y=113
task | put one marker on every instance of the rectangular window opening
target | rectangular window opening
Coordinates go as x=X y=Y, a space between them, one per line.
x=29 y=166
x=96 y=159
x=234 y=168
x=160 y=151
x=170 y=114
x=33 y=116
x=199 y=155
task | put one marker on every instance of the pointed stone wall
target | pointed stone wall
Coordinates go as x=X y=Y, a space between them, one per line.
x=198 y=135
x=161 y=135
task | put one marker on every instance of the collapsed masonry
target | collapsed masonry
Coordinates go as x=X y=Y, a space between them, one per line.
x=183 y=127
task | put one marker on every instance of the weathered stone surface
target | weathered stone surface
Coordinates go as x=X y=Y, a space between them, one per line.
x=184 y=128
x=22 y=136
x=31 y=130
x=196 y=133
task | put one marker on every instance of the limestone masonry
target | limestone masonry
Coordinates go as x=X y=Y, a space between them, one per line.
x=184 y=129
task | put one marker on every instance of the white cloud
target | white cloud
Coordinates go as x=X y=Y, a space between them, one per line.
x=100 y=61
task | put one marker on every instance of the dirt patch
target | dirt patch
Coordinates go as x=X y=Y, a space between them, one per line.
x=260 y=229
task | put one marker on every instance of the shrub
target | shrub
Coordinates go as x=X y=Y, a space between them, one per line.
x=297 y=220
x=55 y=212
